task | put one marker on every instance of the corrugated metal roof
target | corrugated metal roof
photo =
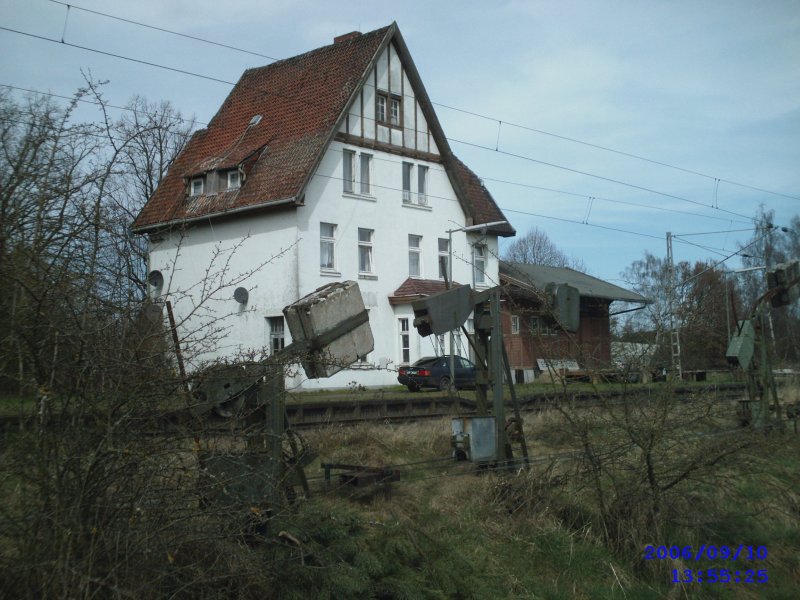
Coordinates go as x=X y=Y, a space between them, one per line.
x=539 y=276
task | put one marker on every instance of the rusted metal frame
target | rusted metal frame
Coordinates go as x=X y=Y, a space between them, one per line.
x=515 y=404
x=176 y=342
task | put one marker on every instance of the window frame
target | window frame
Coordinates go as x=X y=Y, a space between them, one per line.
x=357 y=173
x=277 y=335
x=444 y=259
x=515 y=324
x=348 y=164
x=328 y=241
x=195 y=180
x=422 y=185
x=404 y=341
x=367 y=247
x=415 y=184
x=395 y=117
x=389 y=109
x=238 y=178
x=415 y=251
x=408 y=175
x=381 y=107
x=365 y=185
x=540 y=327
x=479 y=257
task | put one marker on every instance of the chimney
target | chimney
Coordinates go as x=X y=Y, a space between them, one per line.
x=347 y=36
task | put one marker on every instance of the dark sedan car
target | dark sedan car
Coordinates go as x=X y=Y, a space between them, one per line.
x=434 y=371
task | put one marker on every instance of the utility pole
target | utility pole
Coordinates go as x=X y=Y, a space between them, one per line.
x=674 y=335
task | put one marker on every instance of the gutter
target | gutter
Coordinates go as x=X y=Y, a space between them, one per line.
x=168 y=224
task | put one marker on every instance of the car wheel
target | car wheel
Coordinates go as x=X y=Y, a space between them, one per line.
x=444 y=384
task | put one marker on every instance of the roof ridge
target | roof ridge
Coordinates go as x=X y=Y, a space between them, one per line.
x=284 y=61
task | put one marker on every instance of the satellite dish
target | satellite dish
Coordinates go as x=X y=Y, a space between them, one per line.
x=156 y=279
x=241 y=295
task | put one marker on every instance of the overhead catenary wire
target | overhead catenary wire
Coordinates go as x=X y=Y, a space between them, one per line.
x=388 y=160
x=498 y=120
x=189 y=73
x=451 y=199
x=307 y=101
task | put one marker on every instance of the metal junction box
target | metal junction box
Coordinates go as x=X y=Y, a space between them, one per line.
x=474 y=438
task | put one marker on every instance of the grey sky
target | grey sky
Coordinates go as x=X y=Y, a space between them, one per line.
x=712 y=87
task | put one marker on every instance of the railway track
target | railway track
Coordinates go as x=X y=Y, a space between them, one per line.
x=407 y=406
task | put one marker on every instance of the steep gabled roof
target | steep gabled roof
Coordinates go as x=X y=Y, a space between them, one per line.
x=301 y=102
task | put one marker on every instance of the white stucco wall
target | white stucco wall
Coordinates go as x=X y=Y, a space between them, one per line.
x=384 y=212
x=205 y=263
x=201 y=267
x=222 y=252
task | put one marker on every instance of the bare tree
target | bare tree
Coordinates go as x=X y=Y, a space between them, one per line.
x=536 y=248
x=699 y=307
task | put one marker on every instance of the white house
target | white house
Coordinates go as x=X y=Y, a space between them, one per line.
x=324 y=167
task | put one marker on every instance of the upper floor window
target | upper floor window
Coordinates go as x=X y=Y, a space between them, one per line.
x=197 y=186
x=388 y=109
x=444 y=258
x=514 y=324
x=356 y=174
x=380 y=108
x=234 y=180
x=415 y=184
x=408 y=171
x=327 y=246
x=422 y=184
x=349 y=173
x=415 y=256
x=365 y=250
x=479 y=264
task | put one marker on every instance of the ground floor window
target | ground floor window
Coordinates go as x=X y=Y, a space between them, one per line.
x=277 y=339
x=405 y=341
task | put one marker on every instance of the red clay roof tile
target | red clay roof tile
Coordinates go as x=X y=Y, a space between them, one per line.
x=300 y=100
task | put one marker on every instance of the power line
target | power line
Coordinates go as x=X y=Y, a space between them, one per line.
x=717 y=180
x=620 y=152
x=715 y=265
x=625 y=202
x=120 y=56
x=563 y=220
x=587 y=174
x=304 y=100
x=640 y=205
x=452 y=199
x=163 y=30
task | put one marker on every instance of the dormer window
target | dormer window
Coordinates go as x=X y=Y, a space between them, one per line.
x=234 y=180
x=196 y=188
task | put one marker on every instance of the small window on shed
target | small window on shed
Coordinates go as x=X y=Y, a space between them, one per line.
x=197 y=186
